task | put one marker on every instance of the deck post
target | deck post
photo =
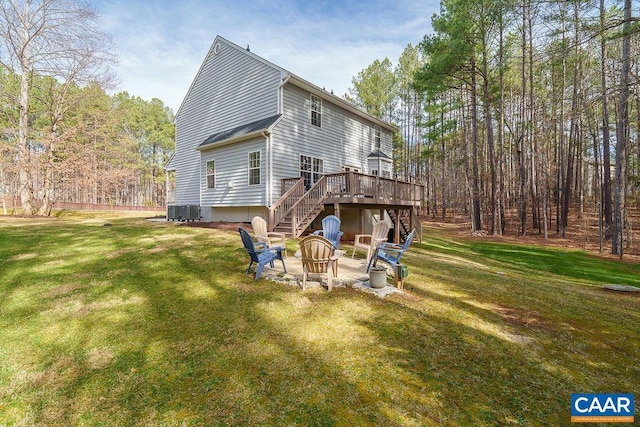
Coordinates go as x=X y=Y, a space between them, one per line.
x=294 y=221
x=396 y=196
x=396 y=231
x=336 y=209
x=351 y=183
x=272 y=219
x=411 y=213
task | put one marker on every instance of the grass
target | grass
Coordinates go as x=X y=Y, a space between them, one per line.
x=142 y=323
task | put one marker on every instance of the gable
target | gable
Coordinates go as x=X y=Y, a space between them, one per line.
x=233 y=86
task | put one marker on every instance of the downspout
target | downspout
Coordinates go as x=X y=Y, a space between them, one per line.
x=267 y=136
x=166 y=192
x=285 y=80
x=281 y=93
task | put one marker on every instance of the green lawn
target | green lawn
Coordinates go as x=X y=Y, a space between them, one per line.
x=142 y=323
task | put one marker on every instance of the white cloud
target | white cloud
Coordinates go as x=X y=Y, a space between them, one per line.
x=162 y=44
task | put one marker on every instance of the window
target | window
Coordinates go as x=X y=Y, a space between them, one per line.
x=351 y=169
x=311 y=169
x=211 y=174
x=318 y=169
x=254 y=168
x=316 y=111
x=376 y=136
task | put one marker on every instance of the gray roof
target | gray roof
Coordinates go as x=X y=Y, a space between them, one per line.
x=238 y=131
x=378 y=154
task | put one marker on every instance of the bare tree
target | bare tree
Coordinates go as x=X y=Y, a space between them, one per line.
x=622 y=137
x=60 y=39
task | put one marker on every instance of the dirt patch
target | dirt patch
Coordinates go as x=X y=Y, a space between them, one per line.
x=521 y=318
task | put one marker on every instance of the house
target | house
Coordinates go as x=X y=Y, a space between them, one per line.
x=255 y=139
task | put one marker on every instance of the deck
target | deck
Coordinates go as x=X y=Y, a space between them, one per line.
x=298 y=206
x=362 y=189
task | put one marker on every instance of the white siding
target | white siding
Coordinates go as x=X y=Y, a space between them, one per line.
x=232 y=175
x=343 y=139
x=233 y=87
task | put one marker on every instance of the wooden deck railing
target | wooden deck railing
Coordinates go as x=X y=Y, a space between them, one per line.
x=356 y=185
x=310 y=204
x=298 y=207
x=292 y=191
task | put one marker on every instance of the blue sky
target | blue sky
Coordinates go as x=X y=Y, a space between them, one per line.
x=161 y=44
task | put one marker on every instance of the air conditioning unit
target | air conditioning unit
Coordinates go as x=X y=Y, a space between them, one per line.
x=183 y=213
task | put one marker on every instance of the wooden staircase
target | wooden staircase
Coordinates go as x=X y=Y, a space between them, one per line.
x=298 y=207
x=408 y=220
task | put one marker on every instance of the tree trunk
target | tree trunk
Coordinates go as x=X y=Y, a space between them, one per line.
x=622 y=136
x=490 y=142
x=522 y=157
x=573 y=132
x=606 y=157
x=476 y=221
x=27 y=192
x=501 y=184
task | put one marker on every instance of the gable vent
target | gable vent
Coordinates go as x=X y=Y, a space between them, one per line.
x=216 y=48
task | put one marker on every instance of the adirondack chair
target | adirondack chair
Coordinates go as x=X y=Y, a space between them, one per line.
x=331 y=230
x=260 y=253
x=369 y=242
x=318 y=255
x=272 y=238
x=391 y=252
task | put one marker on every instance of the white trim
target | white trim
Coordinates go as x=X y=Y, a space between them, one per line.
x=269 y=171
x=262 y=132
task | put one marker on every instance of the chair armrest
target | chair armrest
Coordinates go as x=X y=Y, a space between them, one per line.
x=277 y=249
x=379 y=242
x=318 y=233
x=340 y=233
x=359 y=237
x=275 y=234
x=260 y=246
x=390 y=246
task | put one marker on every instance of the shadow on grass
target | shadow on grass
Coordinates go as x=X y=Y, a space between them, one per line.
x=154 y=329
x=148 y=324
x=563 y=263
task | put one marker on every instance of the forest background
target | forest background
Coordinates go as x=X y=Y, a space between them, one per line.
x=518 y=115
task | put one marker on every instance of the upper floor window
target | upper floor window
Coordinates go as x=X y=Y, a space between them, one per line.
x=254 y=168
x=316 y=111
x=211 y=174
x=377 y=136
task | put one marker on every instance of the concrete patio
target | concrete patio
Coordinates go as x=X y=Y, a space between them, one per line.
x=351 y=273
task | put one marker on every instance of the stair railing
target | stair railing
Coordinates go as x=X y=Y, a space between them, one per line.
x=279 y=210
x=415 y=219
x=304 y=211
x=407 y=220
